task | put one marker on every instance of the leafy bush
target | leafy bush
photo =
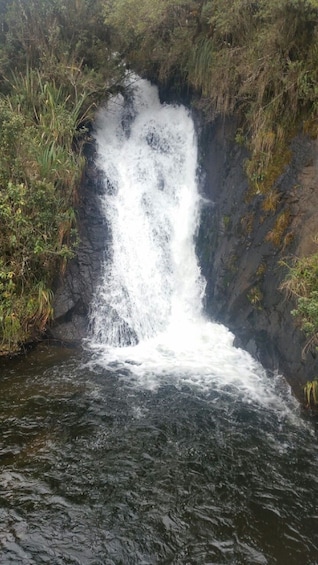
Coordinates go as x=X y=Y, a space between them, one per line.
x=36 y=222
x=302 y=284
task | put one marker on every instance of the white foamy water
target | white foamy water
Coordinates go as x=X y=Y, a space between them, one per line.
x=148 y=315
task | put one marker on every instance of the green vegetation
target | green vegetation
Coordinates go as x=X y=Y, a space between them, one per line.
x=302 y=284
x=277 y=235
x=255 y=297
x=53 y=70
x=311 y=394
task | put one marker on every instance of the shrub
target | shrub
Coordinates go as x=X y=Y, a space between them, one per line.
x=302 y=283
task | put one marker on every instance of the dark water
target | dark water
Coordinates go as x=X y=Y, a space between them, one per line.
x=96 y=470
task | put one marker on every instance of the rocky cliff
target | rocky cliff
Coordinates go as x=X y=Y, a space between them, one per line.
x=243 y=247
x=74 y=291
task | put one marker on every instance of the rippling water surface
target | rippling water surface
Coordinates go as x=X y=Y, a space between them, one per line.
x=99 y=469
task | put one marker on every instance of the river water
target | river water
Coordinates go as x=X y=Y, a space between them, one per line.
x=160 y=442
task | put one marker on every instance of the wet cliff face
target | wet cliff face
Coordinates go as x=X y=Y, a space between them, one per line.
x=242 y=249
x=239 y=255
x=74 y=291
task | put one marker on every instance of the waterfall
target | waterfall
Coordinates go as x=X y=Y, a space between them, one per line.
x=148 y=154
x=147 y=314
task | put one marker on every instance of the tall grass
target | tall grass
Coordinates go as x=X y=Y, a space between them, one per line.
x=48 y=96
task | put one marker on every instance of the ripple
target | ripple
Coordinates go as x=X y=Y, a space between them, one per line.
x=97 y=470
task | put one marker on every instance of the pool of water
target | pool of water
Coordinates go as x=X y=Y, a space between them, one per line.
x=96 y=468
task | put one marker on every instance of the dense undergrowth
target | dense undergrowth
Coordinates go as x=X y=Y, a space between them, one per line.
x=302 y=284
x=255 y=59
x=55 y=66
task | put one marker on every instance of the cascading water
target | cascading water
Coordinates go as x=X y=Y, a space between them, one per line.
x=148 y=313
x=149 y=158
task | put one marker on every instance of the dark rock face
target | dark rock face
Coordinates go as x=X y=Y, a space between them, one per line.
x=243 y=261
x=75 y=290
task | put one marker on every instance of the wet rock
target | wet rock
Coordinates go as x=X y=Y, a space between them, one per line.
x=74 y=290
x=243 y=264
